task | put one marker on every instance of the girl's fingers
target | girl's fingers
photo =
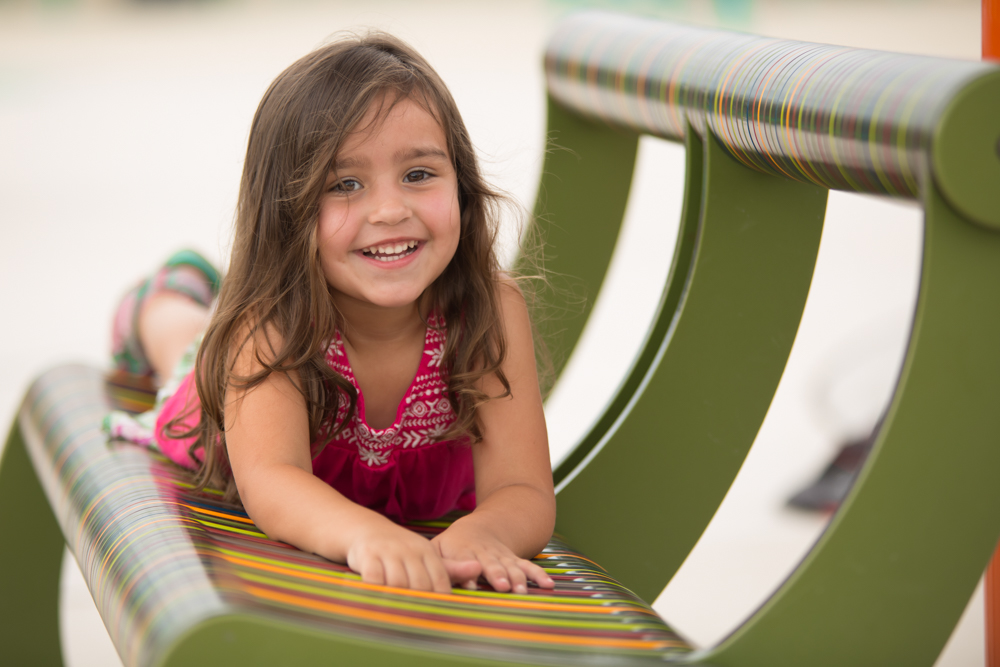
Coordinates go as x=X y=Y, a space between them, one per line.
x=422 y=570
x=373 y=573
x=462 y=572
x=536 y=573
x=417 y=576
x=502 y=570
x=395 y=574
x=504 y=575
x=437 y=571
x=513 y=574
x=518 y=580
x=496 y=574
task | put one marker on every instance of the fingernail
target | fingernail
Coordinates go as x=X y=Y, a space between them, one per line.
x=521 y=589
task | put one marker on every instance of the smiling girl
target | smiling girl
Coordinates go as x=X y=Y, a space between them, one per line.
x=366 y=362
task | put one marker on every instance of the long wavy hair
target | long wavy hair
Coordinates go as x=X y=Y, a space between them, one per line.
x=275 y=292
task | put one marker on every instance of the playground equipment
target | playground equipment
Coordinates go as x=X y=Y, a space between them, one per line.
x=769 y=125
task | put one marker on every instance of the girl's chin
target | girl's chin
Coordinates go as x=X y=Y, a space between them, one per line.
x=390 y=301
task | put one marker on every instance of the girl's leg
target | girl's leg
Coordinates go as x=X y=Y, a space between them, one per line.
x=159 y=318
x=168 y=322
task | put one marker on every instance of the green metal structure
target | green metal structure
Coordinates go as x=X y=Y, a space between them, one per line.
x=770 y=126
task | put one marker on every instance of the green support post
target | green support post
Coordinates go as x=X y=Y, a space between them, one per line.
x=578 y=213
x=639 y=502
x=666 y=310
x=889 y=579
x=31 y=550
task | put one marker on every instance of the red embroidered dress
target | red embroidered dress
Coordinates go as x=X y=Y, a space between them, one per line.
x=402 y=471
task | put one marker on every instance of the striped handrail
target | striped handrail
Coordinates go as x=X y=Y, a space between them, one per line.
x=843 y=118
x=183 y=578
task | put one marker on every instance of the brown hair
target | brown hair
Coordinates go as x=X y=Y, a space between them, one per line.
x=275 y=284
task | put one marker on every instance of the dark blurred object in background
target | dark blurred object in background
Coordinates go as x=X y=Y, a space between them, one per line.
x=835 y=482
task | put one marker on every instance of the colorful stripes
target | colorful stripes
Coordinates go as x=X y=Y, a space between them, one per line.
x=847 y=119
x=160 y=559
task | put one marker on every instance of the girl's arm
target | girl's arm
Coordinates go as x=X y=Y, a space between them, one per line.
x=267 y=438
x=516 y=507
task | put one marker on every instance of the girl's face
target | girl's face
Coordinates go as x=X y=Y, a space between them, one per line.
x=389 y=220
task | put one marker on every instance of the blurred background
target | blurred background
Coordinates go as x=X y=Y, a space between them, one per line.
x=122 y=131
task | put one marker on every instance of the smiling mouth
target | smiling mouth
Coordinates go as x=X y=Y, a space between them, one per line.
x=391 y=252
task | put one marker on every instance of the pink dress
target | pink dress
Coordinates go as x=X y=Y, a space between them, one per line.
x=402 y=471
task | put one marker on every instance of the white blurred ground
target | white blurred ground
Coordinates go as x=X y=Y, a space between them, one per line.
x=122 y=128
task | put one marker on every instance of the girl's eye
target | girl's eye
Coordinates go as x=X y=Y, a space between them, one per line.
x=417 y=175
x=346 y=185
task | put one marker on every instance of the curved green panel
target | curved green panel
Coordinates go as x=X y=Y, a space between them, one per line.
x=581 y=201
x=31 y=550
x=888 y=581
x=641 y=499
x=665 y=311
x=252 y=642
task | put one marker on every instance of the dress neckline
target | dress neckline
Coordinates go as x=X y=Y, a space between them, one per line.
x=428 y=357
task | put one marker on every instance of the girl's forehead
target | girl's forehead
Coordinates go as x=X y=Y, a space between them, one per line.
x=399 y=124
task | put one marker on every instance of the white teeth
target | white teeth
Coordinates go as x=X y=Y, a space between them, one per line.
x=385 y=253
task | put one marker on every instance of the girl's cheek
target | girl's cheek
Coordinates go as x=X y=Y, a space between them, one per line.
x=449 y=213
x=331 y=230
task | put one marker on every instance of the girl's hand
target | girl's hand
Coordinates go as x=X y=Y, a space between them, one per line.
x=500 y=566
x=386 y=554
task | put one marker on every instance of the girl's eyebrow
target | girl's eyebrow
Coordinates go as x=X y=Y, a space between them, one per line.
x=418 y=152
x=415 y=153
x=351 y=162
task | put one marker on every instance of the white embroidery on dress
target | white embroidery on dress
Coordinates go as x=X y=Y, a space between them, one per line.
x=436 y=355
x=426 y=416
x=373 y=458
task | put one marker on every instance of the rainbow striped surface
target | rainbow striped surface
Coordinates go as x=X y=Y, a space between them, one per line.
x=160 y=560
x=843 y=118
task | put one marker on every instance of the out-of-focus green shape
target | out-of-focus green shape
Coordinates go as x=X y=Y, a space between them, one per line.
x=967 y=151
x=890 y=577
x=581 y=200
x=30 y=563
x=665 y=311
x=645 y=493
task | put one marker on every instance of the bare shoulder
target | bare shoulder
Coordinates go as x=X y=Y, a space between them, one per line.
x=508 y=282
x=253 y=353
x=520 y=358
x=265 y=412
x=252 y=346
x=512 y=301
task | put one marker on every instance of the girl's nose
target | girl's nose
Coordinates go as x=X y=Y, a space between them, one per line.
x=389 y=207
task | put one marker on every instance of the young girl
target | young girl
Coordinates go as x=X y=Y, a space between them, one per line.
x=366 y=362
